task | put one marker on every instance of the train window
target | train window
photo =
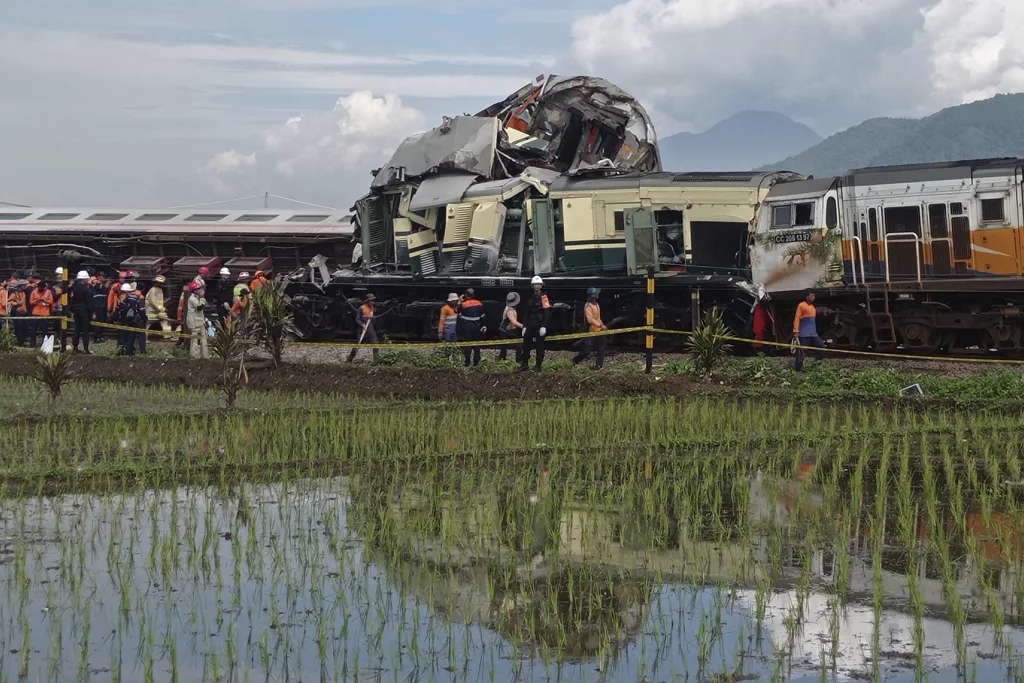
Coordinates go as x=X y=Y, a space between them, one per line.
x=620 y=222
x=56 y=216
x=205 y=217
x=804 y=214
x=873 y=222
x=13 y=216
x=256 y=218
x=107 y=217
x=937 y=221
x=156 y=216
x=782 y=216
x=956 y=209
x=903 y=219
x=831 y=213
x=308 y=218
x=670 y=235
x=992 y=210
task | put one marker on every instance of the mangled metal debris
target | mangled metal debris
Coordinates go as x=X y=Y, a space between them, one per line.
x=559 y=124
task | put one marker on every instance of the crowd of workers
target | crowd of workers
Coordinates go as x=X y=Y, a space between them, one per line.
x=463 y=319
x=31 y=307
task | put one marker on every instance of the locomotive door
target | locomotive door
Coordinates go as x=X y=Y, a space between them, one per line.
x=960 y=231
x=903 y=243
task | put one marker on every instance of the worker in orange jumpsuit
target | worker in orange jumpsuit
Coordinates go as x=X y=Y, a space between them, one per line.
x=41 y=302
x=258 y=280
x=18 y=303
x=446 y=325
x=805 y=330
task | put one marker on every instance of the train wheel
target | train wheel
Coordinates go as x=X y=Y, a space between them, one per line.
x=920 y=337
x=1005 y=337
x=846 y=334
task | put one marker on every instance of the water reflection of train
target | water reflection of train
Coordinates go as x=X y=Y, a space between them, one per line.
x=615 y=541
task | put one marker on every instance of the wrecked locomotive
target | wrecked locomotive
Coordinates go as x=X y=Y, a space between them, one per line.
x=562 y=179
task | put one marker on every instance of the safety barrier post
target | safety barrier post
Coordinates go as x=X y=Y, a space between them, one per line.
x=650 y=319
x=65 y=311
x=695 y=309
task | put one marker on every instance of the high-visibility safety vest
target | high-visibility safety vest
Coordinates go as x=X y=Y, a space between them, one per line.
x=42 y=302
x=449 y=319
x=592 y=312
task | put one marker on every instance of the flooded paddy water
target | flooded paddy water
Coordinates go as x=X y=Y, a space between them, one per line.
x=564 y=541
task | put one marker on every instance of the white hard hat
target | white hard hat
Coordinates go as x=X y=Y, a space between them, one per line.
x=225 y=271
x=244 y=274
x=536 y=280
x=59 y=271
x=82 y=275
x=127 y=287
x=453 y=297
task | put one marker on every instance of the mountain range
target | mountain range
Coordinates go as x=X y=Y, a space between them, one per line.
x=766 y=140
x=739 y=143
x=982 y=129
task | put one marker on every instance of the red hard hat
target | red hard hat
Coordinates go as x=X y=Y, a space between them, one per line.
x=203 y=270
x=122 y=274
x=193 y=286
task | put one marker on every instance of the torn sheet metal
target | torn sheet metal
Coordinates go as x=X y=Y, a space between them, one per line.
x=464 y=143
x=562 y=123
x=441 y=190
x=558 y=124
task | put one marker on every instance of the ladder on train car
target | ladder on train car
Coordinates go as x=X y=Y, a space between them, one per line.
x=883 y=331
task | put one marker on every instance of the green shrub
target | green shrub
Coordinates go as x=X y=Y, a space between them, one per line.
x=54 y=371
x=271 y=321
x=8 y=341
x=707 y=345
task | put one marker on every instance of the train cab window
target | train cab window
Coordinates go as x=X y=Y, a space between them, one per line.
x=992 y=210
x=804 y=214
x=620 y=222
x=873 y=222
x=903 y=219
x=831 y=213
x=782 y=216
x=938 y=224
x=670 y=236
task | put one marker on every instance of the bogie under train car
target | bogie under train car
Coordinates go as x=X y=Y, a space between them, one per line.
x=927 y=257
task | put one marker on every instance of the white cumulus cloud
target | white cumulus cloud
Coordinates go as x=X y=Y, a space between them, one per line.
x=335 y=148
x=830 y=63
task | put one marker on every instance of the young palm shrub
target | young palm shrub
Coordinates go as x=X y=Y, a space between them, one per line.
x=271 y=320
x=54 y=371
x=8 y=342
x=707 y=345
x=229 y=345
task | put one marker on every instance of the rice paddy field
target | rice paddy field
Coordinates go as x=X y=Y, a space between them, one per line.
x=145 y=535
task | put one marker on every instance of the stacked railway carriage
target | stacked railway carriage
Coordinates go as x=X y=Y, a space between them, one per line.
x=169 y=242
x=927 y=257
x=562 y=180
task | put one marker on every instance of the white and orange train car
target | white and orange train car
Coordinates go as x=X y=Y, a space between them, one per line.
x=927 y=257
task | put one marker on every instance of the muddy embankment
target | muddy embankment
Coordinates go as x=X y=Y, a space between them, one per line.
x=364 y=380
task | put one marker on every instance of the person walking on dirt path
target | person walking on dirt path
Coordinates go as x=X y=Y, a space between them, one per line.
x=364 y=327
x=595 y=345
x=195 y=316
x=446 y=325
x=81 y=311
x=131 y=312
x=805 y=331
x=156 y=306
x=510 y=327
x=472 y=326
x=538 y=315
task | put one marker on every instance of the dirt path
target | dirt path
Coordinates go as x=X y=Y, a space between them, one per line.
x=361 y=379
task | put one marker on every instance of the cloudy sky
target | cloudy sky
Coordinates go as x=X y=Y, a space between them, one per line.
x=135 y=103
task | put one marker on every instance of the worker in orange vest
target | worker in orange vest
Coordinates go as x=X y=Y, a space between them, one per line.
x=41 y=302
x=805 y=330
x=472 y=326
x=364 y=327
x=596 y=345
x=449 y=319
